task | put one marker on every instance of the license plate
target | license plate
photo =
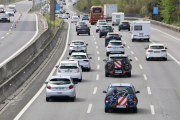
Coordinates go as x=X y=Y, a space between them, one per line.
x=106 y=30
x=156 y=52
x=68 y=70
x=115 y=48
x=118 y=71
x=120 y=106
x=59 y=92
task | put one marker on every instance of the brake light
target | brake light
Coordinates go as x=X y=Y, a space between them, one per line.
x=107 y=98
x=148 y=36
x=107 y=37
x=59 y=71
x=87 y=27
x=78 y=70
x=163 y=50
x=71 y=86
x=71 y=60
x=118 y=37
x=48 y=87
x=109 y=46
x=79 y=27
x=150 y=50
x=122 y=47
x=111 y=30
x=86 y=60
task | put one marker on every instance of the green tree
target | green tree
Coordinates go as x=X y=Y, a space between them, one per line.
x=96 y=2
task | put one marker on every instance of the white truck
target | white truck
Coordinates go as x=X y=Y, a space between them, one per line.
x=117 y=18
x=140 y=30
x=108 y=10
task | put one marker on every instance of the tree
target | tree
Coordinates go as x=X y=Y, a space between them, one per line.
x=96 y=2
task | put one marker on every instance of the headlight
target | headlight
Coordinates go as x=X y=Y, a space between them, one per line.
x=8 y=18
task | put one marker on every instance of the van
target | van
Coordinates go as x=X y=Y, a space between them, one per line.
x=12 y=7
x=140 y=30
x=117 y=18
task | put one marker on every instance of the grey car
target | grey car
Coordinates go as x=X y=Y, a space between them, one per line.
x=60 y=87
x=83 y=29
x=4 y=17
x=104 y=30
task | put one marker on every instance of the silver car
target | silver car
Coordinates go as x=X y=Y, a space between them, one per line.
x=60 y=87
x=83 y=60
x=77 y=46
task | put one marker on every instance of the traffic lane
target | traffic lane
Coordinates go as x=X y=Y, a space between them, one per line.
x=23 y=6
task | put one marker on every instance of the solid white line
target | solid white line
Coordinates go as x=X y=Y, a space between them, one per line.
x=140 y=66
x=17 y=52
x=95 y=42
x=42 y=88
x=97 y=52
x=98 y=66
x=136 y=58
x=95 y=90
x=97 y=77
x=96 y=47
x=98 y=58
x=149 y=91
x=89 y=108
x=94 y=39
x=145 y=77
x=2 y=37
x=152 y=109
x=128 y=47
x=132 y=52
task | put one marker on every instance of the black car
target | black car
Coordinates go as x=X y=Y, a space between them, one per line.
x=104 y=30
x=83 y=29
x=124 y=26
x=80 y=23
x=112 y=35
x=4 y=17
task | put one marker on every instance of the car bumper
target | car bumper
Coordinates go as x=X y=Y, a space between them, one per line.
x=72 y=75
x=54 y=94
x=124 y=27
x=111 y=52
x=156 y=56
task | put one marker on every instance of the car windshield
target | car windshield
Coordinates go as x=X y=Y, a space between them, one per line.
x=60 y=81
x=4 y=15
x=78 y=43
x=118 y=58
x=79 y=57
x=156 y=47
x=85 y=15
x=106 y=27
x=125 y=23
x=102 y=23
x=9 y=10
x=113 y=35
x=120 y=89
x=115 y=43
x=68 y=66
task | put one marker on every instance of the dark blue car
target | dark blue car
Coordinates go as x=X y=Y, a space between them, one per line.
x=112 y=36
x=121 y=96
x=85 y=17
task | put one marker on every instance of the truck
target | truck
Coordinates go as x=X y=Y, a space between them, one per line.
x=117 y=18
x=140 y=30
x=108 y=10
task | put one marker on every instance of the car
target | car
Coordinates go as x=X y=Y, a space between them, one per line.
x=104 y=30
x=124 y=26
x=10 y=12
x=74 y=19
x=13 y=7
x=121 y=96
x=77 y=46
x=77 y=14
x=60 y=87
x=85 y=17
x=156 y=51
x=83 y=29
x=112 y=35
x=80 y=23
x=70 y=68
x=64 y=16
x=99 y=24
x=74 y=3
x=1 y=10
x=115 y=46
x=4 y=17
x=64 y=3
x=82 y=58
x=68 y=14
x=59 y=15
x=117 y=64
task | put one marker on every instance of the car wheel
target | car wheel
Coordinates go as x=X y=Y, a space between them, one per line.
x=147 y=59
x=73 y=98
x=99 y=35
x=107 y=54
x=134 y=110
x=89 y=33
x=76 y=29
x=89 y=69
x=47 y=99
x=147 y=40
x=106 y=74
x=9 y=21
x=132 y=40
x=165 y=59
x=106 y=110
x=96 y=31
x=119 y=29
x=129 y=74
x=77 y=33
x=69 y=53
x=80 y=79
x=129 y=29
x=112 y=24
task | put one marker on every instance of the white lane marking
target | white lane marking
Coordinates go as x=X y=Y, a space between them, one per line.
x=43 y=86
x=132 y=52
x=98 y=66
x=128 y=47
x=145 y=77
x=7 y=33
x=18 y=52
x=166 y=34
x=95 y=42
x=94 y=39
x=93 y=35
x=124 y=42
x=97 y=77
x=2 y=37
x=152 y=109
x=89 y=108
x=140 y=66
x=11 y=27
x=149 y=91
x=96 y=47
x=98 y=58
x=136 y=58
x=95 y=90
x=97 y=52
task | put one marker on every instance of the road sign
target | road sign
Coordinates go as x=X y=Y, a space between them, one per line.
x=57 y=7
x=156 y=10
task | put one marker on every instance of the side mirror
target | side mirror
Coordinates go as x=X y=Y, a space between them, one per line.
x=104 y=60
x=86 y=44
x=67 y=58
x=137 y=91
x=57 y=66
x=165 y=47
x=104 y=91
x=90 y=57
x=130 y=59
x=76 y=82
x=46 y=83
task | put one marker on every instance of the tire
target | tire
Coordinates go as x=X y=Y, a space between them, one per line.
x=107 y=54
x=119 y=29
x=165 y=59
x=147 y=40
x=69 y=53
x=73 y=99
x=132 y=40
x=89 y=33
x=129 y=29
x=106 y=74
x=99 y=35
x=134 y=110
x=76 y=29
x=106 y=110
x=96 y=31
x=9 y=21
x=47 y=99
x=129 y=74
x=112 y=24
x=77 y=33
x=147 y=59
x=89 y=69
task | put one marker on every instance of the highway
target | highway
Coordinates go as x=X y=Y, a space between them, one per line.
x=13 y=42
x=157 y=81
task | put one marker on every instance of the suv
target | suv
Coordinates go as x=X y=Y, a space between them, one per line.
x=104 y=30
x=124 y=25
x=80 y=23
x=117 y=64
x=83 y=29
x=121 y=96
x=112 y=35
x=85 y=17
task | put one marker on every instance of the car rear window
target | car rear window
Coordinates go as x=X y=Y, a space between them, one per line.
x=125 y=23
x=96 y=10
x=156 y=47
x=78 y=57
x=115 y=43
x=113 y=35
x=120 y=89
x=78 y=43
x=102 y=23
x=85 y=15
x=83 y=26
x=106 y=27
x=117 y=58
x=138 y=27
x=60 y=81
x=68 y=66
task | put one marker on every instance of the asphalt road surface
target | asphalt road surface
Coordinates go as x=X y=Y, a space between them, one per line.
x=157 y=81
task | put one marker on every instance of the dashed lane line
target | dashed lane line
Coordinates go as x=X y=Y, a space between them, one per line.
x=136 y=58
x=128 y=47
x=98 y=66
x=152 y=109
x=2 y=37
x=145 y=77
x=132 y=52
x=140 y=66
x=95 y=42
x=149 y=90
x=94 y=39
x=95 y=90
x=89 y=108
x=97 y=77
x=96 y=47
x=98 y=58
x=97 y=52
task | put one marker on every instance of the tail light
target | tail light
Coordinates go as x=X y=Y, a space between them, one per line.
x=71 y=86
x=134 y=98
x=107 y=98
x=163 y=50
x=59 y=71
x=87 y=27
x=102 y=30
x=150 y=50
x=71 y=60
x=86 y=60
x=148 y=36
x=109 y=46
x=79 y=27
x=48 y=87
x=122 y=47
x=118 y=37
x=111 y=30
x=78 y=70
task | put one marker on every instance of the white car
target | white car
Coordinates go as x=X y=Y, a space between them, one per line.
x=70 y=68
x=74 y=19
x=59 y=15
x=83 y=60
x=156 y=51
x=77 y=46
x=99 y=24
x=10 y=12
x=115 y=46
x=60 y=87
x=65 y=16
